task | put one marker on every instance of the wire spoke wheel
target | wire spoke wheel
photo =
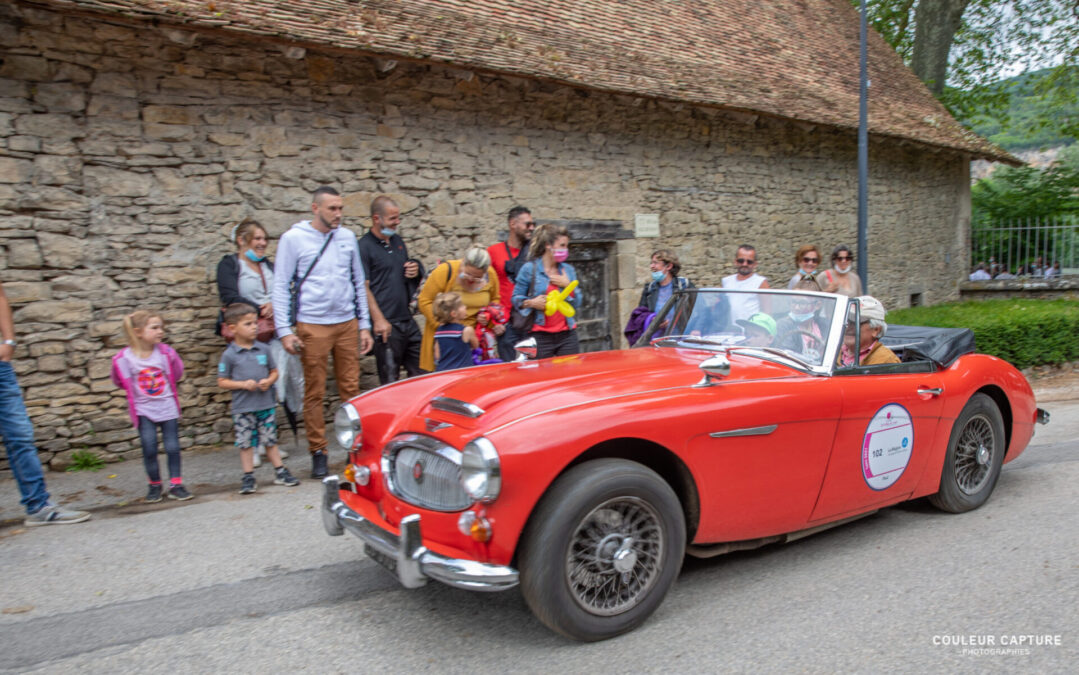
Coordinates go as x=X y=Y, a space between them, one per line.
x=602 y=549
x=614 y=556
x=976 y=450
x=974 y=454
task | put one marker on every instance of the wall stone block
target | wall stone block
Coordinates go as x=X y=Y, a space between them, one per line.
x=54 y=311
x=22 y=292
x=116 y=182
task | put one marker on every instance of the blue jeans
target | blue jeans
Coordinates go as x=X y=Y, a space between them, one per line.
x=18 y=437
x=170 y=434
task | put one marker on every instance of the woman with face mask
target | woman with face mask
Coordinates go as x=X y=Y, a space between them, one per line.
x=547 y=271
x=841 y=278
x=807 y=260
x=247 y=276
x=664 y=267
x=477 y=283
x=802 y=329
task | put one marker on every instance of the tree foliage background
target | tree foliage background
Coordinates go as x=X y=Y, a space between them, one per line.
x=964 y=50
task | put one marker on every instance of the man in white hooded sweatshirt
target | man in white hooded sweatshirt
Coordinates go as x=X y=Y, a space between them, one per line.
x=320 y=260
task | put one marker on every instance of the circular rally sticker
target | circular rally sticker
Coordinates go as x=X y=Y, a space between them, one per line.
x=886 y=448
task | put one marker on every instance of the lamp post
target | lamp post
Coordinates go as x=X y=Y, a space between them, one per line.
x=863 y=156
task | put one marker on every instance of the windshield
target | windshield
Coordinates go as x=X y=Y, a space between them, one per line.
x=784 y=324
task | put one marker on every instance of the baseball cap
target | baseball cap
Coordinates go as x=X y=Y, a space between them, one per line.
x=760 y=320
x=871 y=308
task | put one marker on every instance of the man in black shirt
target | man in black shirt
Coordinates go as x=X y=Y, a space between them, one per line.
x=392 y=280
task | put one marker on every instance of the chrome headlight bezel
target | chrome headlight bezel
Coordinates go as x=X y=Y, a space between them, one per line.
x=481 y=470
x=347 y=426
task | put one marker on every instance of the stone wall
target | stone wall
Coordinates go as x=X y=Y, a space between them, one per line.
x=128 y=151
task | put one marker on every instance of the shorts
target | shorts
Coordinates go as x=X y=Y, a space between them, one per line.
x=255 y=429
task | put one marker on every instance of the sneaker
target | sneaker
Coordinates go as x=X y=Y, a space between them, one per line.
x=153 y=495
x=51 y=514
x=318 y=464
x=257 y=461
x=179 y=493
x=248 y=485
x=283 y=477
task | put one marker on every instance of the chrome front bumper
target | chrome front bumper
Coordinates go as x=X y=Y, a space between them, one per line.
x=414 y=563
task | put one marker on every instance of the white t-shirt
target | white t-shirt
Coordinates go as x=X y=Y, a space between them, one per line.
x=745 y=305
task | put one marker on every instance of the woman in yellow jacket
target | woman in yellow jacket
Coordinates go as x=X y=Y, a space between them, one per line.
x=472 y=277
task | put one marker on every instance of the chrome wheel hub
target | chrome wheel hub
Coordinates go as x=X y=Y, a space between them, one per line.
x=614 y=556
x=974 y=454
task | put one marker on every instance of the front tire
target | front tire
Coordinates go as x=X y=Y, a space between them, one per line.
x=602 y=549
x=975 y=454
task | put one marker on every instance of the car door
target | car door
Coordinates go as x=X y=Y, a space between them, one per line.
x=759 y=455
x=888 y=424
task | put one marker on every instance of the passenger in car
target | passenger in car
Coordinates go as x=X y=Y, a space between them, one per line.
x=871 y=351
x=759 y=329
x=802 y=329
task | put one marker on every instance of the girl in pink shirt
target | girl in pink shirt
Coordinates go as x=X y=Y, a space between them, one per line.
x=148 y=371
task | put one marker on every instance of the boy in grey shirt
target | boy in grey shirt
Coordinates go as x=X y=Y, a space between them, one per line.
x=247 y=369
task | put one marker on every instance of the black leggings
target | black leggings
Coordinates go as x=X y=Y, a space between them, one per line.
x=562 y=343
x=170 y=433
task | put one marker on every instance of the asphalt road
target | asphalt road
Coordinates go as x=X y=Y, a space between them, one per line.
x=253 y=584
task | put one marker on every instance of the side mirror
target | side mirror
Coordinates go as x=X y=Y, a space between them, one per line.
x=526 y=349
x=715 y=369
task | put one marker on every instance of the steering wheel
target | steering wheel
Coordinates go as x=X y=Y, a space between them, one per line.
x=819 y=341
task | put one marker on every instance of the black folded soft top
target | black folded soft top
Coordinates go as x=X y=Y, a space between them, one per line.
x=942 y=346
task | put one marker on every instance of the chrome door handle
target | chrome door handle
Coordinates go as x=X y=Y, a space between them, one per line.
x=930 y=391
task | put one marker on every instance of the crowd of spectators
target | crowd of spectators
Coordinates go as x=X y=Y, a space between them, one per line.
x=333 y=296
x=986 y=271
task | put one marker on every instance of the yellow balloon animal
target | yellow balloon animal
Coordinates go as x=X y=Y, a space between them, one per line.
x=556 y=301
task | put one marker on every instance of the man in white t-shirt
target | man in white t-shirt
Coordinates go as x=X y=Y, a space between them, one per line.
x=746 y=278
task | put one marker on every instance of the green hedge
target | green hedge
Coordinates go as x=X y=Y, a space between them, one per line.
x=1023 y=332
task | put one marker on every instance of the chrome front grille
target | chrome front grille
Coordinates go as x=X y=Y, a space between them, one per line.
x=425 y=472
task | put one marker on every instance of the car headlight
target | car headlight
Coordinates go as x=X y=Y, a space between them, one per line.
x=347 y=428
x=481 y=471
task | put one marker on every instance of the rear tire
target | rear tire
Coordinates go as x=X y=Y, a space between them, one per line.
x=976 y=450
x=602 y=549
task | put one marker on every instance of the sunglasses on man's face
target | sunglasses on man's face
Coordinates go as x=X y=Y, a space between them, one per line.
x=745 y=261
x=844 y=257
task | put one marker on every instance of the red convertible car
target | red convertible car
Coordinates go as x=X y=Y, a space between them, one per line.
x=587 y=479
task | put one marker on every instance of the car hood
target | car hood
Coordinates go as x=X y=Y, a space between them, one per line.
x=510 y=391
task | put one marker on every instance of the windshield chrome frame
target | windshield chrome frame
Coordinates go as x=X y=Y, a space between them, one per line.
x=834 y=340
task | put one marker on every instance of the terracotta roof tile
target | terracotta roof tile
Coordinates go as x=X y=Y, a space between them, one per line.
x=795 y=59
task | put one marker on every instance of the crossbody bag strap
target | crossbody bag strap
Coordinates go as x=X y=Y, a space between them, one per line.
x=317 y=258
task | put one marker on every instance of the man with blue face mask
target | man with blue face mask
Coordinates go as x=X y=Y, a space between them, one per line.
x=392 y=279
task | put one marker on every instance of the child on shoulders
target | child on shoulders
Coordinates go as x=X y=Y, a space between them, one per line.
x=454 y=341
x=148 y=370
x=247 y=369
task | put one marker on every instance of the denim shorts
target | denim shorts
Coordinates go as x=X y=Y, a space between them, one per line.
x=255 y=429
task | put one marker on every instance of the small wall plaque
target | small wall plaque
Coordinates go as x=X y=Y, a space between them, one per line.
x=646 y=224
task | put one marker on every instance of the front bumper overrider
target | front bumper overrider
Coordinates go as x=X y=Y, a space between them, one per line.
x=415 y=564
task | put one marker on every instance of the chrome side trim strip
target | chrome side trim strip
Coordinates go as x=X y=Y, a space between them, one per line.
x=748 y=431
x=452 y=405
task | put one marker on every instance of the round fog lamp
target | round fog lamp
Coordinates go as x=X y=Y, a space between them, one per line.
x=346 y=426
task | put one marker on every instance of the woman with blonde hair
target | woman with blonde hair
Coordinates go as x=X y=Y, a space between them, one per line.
x=477 y=283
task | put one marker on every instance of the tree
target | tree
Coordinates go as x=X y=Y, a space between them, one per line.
x=962 y=49
x=1026 y=192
